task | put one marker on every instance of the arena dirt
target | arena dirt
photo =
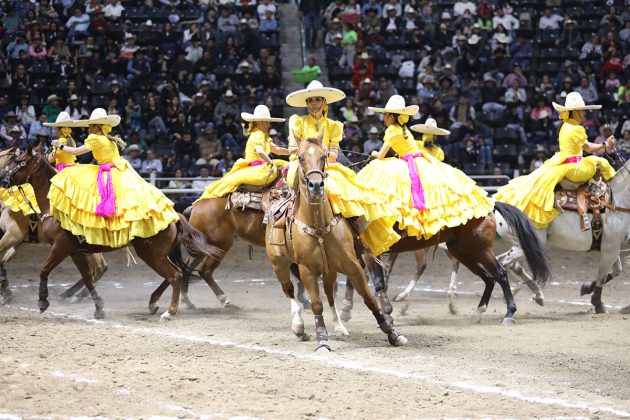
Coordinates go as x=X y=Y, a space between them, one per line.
x=556 y=361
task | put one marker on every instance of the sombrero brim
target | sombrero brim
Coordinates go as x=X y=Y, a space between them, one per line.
x=246 y=116
x=425 y=129
x=561 y=108
x=408 y=110
x=112 y=120
x=299 y=97
x=69 y=124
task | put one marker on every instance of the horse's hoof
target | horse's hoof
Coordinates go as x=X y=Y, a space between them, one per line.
x=341 y=330
x=600 y=309
x=165 y=317
x=400 y=341
x=303 y=337
x=323 y=348
x=43 y=305
x=153 y=308
x=508 y=321
x=539 y=300
x=224 y=301
x=345 y=316
x=586 y=289
x=190 y=305
x=99 y=314
x=76 y=299
x=475 y=318
x=298 y=329
x=396 y=339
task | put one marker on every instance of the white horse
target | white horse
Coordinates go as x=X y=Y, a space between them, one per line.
x=564 y=233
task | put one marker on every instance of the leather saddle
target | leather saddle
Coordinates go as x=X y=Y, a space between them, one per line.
x=590 y=197
x=251 y=197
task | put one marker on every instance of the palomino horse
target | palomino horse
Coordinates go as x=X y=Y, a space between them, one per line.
x=15 y=227
x=32 y=167
x=320 y=243
x=510 y=258
x=472 y=244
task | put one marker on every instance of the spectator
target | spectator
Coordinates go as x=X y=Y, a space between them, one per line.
x=587 y=90
x=269 y=23
x=203 y=180
x=16 y=46
x=592 y=50
x=24 y=112
x=227 y=105
x=37 y=126
x=516 y=97
x=113 y=10
x=179 y=184
x=550 y=22
x=78 y=24
x=226 y=163
x=74 y=108
x=373 y=142
x=264 y=7
x=210 y=147
x=151 y=164
x=509 y=22
x=133 y=155
x=10 y=121
x=15 y=138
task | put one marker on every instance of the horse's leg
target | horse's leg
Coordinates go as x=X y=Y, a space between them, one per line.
x=312 y=287
x=609 y=267
x=5 y=291
x=348 y=302
x=184 y=296
x=329 y=288
x=281 y=268
x=55 y=257
x=207 y=274
x=98 y=267
x=421 y=265
x=167 y=270
x=538 y=295
x=84 y=268
x=302 y=296
x=452 y=285
x=354 y=271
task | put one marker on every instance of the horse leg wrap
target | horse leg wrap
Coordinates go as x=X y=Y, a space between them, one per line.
x=384 y=303
x=392 y=334
x=321 y=332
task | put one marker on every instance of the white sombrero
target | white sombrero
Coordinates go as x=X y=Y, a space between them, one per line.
x=261 y=113
x=574 y=102
x=99 y=116
x=430 y=127
x=314 y=89
x=396 y=105
x=63 y=120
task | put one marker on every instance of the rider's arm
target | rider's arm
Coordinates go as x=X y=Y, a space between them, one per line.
x=596 y=147
x=278 y=150
x=263 y=155
x=381 y=153
x=72 y=150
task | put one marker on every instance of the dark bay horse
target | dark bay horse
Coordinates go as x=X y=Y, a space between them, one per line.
x=321 y=244
x=31 y=166
x=471 y=244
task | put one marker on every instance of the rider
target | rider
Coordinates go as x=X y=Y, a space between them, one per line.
x=430 y=195
x=108 y=204
x=256 y=168
x=534 y=193
x=346 y=194
x=22 y=198
x=58 y=157
x=427 y=145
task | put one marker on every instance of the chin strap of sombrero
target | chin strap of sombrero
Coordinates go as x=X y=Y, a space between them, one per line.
x=565 y=115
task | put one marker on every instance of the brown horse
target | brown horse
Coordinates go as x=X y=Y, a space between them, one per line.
x=472 y=244
x=321 y=243
x=16 y=227
x=33 y=167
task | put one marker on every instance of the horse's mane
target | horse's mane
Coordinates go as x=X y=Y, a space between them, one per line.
x=311 y=140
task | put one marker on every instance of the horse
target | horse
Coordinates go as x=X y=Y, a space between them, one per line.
x=31 y=166
x=17 y=229
x=321 y=244
x=511 y=259
x=471 y=244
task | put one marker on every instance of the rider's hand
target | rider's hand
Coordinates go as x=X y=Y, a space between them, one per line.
x=374 y=154
x=272 y=169
x=56 y=143
x=610 y=142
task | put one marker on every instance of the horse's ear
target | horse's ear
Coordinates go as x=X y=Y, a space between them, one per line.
x=29 y=149
x=320 y=138
x=40 y=146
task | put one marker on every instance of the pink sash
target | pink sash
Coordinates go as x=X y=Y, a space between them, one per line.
x=417 y=193
x=61 y=166
x=257 y=163
x=107 y=206
x=573 y=159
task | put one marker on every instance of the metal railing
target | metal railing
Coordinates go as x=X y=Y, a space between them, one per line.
x=153 y=179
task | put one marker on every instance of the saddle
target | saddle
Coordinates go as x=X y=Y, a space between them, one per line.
x=592 y=197
x=251 y=197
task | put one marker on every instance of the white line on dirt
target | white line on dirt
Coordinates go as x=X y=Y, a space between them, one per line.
x=351 y=365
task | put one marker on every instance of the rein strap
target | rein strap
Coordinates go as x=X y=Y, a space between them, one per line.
x=319 y=234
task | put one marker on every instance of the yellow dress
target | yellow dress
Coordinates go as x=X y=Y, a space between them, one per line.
x=428 y=147
x=450 y=197
x=534 y=193
x=15 y=200
x=347 y=195
x=141 y=210
x=62 y=157
x=243 y=172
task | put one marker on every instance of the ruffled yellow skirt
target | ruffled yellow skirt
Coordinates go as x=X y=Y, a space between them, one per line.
x=141 y=209
x=18 y=201
x=242 y=174
x=451 y=198
x=533 y=194
x=349 y=197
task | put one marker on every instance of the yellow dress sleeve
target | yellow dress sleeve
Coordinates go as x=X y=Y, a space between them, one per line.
x=296 y=125
x=91 y=142
x=256 y=139
x=572 y=139
x=336 y=133
x=391 y=134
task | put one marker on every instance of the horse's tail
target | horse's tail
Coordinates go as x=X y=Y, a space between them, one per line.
x=528 y=240
x=192 y=243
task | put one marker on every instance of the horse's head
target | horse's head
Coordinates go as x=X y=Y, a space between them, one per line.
x=312 y=157
x=16 y=167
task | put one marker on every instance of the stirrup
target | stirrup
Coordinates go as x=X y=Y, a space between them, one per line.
x=584 y=223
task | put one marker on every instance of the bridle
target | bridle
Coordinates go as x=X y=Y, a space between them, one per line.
x=305 y=176
x=8 y=178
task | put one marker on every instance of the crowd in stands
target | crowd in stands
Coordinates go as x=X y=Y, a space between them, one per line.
x=178 y=72
x=487 y=70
